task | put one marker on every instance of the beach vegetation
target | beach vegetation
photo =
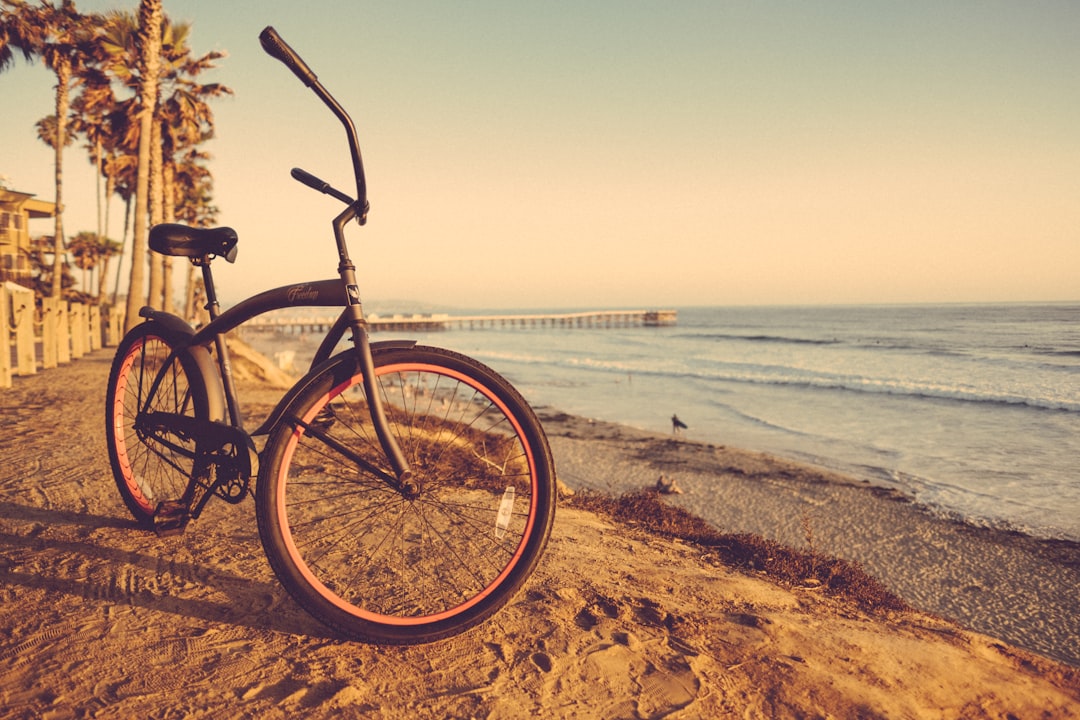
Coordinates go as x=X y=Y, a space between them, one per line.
x=647 y=510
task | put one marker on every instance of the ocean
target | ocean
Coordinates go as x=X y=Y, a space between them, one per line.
x=971 y=410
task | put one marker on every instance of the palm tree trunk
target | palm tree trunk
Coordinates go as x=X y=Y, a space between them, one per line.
x=97 y=193
x=103 y=275
x=123 y=243
x=168 y=186
x=156 y=186
x=63 y=79
x=150 y=13
x=109 y=188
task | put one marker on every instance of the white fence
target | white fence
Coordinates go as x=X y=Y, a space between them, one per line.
x=42 y=334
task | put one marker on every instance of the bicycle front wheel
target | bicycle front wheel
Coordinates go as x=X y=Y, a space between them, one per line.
x=386 y=564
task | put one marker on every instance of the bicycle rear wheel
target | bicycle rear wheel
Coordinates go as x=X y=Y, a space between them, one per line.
x=395 y=566
x=151 y=465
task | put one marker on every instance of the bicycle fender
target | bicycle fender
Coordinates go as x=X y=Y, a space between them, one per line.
x=350 y=365
x=215 y=393
x=181 y=333
x=170 y=322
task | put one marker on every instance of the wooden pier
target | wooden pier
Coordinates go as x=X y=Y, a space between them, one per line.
x=426 y=322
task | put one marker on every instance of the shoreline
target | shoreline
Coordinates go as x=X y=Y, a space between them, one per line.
x=881 y=479
x=1003 y=583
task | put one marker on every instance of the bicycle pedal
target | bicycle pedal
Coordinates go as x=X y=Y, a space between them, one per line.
x=171 y=518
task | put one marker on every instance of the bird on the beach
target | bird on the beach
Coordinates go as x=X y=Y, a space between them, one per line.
x=677 y=424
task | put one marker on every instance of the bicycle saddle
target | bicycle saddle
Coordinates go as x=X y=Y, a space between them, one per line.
x=184 y=241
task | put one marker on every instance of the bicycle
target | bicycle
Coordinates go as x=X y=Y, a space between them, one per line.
x=404 y=493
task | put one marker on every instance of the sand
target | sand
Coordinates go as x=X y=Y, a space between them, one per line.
x=1008 y=585
x=100 y=619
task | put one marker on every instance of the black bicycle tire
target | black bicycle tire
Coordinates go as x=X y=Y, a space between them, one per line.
x=345 y=617
x=142 y=501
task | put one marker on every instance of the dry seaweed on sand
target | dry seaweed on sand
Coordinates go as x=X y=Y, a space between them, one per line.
x=647 y=510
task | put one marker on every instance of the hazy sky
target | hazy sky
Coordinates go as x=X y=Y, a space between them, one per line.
x=638 y=153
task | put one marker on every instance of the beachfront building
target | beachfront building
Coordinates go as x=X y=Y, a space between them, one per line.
x=17 y=209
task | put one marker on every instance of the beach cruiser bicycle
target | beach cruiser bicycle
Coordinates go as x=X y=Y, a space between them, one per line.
x=404 y=493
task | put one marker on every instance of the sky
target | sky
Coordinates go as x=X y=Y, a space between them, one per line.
x=635 y=153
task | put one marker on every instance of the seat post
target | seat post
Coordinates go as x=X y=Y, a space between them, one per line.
x=212 y=306
x=214 y=309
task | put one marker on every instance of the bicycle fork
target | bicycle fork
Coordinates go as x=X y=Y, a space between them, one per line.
x=405 y=484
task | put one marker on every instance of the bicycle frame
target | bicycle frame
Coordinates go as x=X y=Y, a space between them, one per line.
x=321 y=293
x=343 y=292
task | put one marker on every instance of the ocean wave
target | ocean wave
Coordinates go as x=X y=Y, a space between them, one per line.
x=783 y=376
x=901 y=388
x=935 y=347
x=761 y=338
x=859 y=344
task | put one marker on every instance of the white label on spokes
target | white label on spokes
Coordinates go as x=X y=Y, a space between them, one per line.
x=506 y=509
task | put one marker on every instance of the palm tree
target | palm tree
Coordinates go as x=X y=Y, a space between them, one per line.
x=124 y=182
x=186 y=122
x=108 y=127
x=195 y=185
x=123 y=43
x=90 y=112
x=86 y=249
x=92 y=252
x=107 y=249
x=120 y=29
x=14 y=35
x=61 y=37
x=181 y=120
x=48 y=129
x=149 y=45
x=41 y=258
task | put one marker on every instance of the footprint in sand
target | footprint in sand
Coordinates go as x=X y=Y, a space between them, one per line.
x=543 y=661
x=638 y=665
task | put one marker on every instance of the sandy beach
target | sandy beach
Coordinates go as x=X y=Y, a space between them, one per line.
x=100 y=619
x=1008 y=585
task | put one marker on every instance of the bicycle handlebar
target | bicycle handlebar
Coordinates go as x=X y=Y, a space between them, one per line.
x=277 y=48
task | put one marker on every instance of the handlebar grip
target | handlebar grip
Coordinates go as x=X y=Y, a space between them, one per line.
x=278 y=48
x=321 y=185
x=310 y=180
